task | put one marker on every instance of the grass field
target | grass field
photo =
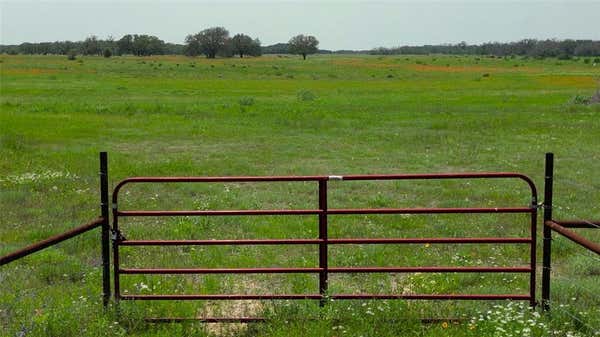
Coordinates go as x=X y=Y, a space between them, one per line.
x=173 y=115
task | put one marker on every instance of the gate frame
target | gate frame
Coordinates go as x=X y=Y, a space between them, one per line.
x=323 y=241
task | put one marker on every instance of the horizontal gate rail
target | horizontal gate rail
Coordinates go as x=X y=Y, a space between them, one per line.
x=330 y=211
x=334 y=297
x=330 y=270
x=242 y=242
x=323 y=241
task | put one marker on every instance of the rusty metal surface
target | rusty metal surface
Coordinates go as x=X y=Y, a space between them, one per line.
x=334 y=296
x=348 y=241
x=321 y=269
x=428 y=176
x=459 y=210
x=569 y=234
x=50 y=241
x=592 y=224
x=323 y=241
x=218 y=270
x=222 y=212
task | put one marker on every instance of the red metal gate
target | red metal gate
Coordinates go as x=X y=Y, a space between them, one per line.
x=322 y=211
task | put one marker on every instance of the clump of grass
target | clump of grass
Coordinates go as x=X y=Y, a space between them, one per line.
x=305 y=95
x=514 y=319
x=580 y=100
x=246 y=101
x=13 y=141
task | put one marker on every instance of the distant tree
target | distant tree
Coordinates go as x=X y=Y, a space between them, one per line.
x=256 y=49
x=107 y=53
x=242 y=44
x=125 y=45
x=278 y=48
x=145 y=45
x=192 y=46
x=91 y=46
x=226 y=50
x=174 y=49
x=109 y=44
x=303 y=45
x=209 y=42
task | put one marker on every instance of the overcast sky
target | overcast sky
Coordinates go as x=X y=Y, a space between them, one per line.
x=338 y=24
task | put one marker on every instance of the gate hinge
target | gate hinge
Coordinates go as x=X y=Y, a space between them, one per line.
x=117 y=236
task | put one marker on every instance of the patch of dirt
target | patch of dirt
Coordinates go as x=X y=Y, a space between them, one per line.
x=247 y=308
x=568 y=81
x=29 y=71
x=467 y=69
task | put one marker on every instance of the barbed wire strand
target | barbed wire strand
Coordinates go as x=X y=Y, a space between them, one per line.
x=574 y=285
x=572 y=316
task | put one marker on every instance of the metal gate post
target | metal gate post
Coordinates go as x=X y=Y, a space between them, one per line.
x=105 y=228
x=323 y=244
x=547 y=244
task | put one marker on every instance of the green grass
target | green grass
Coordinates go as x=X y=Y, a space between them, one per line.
x=272 y=115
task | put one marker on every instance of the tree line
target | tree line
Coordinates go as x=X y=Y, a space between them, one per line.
x=216 y=41
x=210 y=42
x=563 y=49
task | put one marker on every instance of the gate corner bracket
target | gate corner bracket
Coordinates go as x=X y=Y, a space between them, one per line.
x=117 y=236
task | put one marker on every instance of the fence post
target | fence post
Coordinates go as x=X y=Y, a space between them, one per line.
x=323 y=260
x=547 y=243
x=105 y=228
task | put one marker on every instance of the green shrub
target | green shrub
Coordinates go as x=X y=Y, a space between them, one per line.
x=306 y=95
x=71 y=55
x=564 y=57
x=580 y=100
x=12 y=141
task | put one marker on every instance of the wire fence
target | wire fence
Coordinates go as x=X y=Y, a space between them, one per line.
x=576 y=274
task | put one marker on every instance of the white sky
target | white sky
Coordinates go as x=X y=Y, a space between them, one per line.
x=338 y=24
